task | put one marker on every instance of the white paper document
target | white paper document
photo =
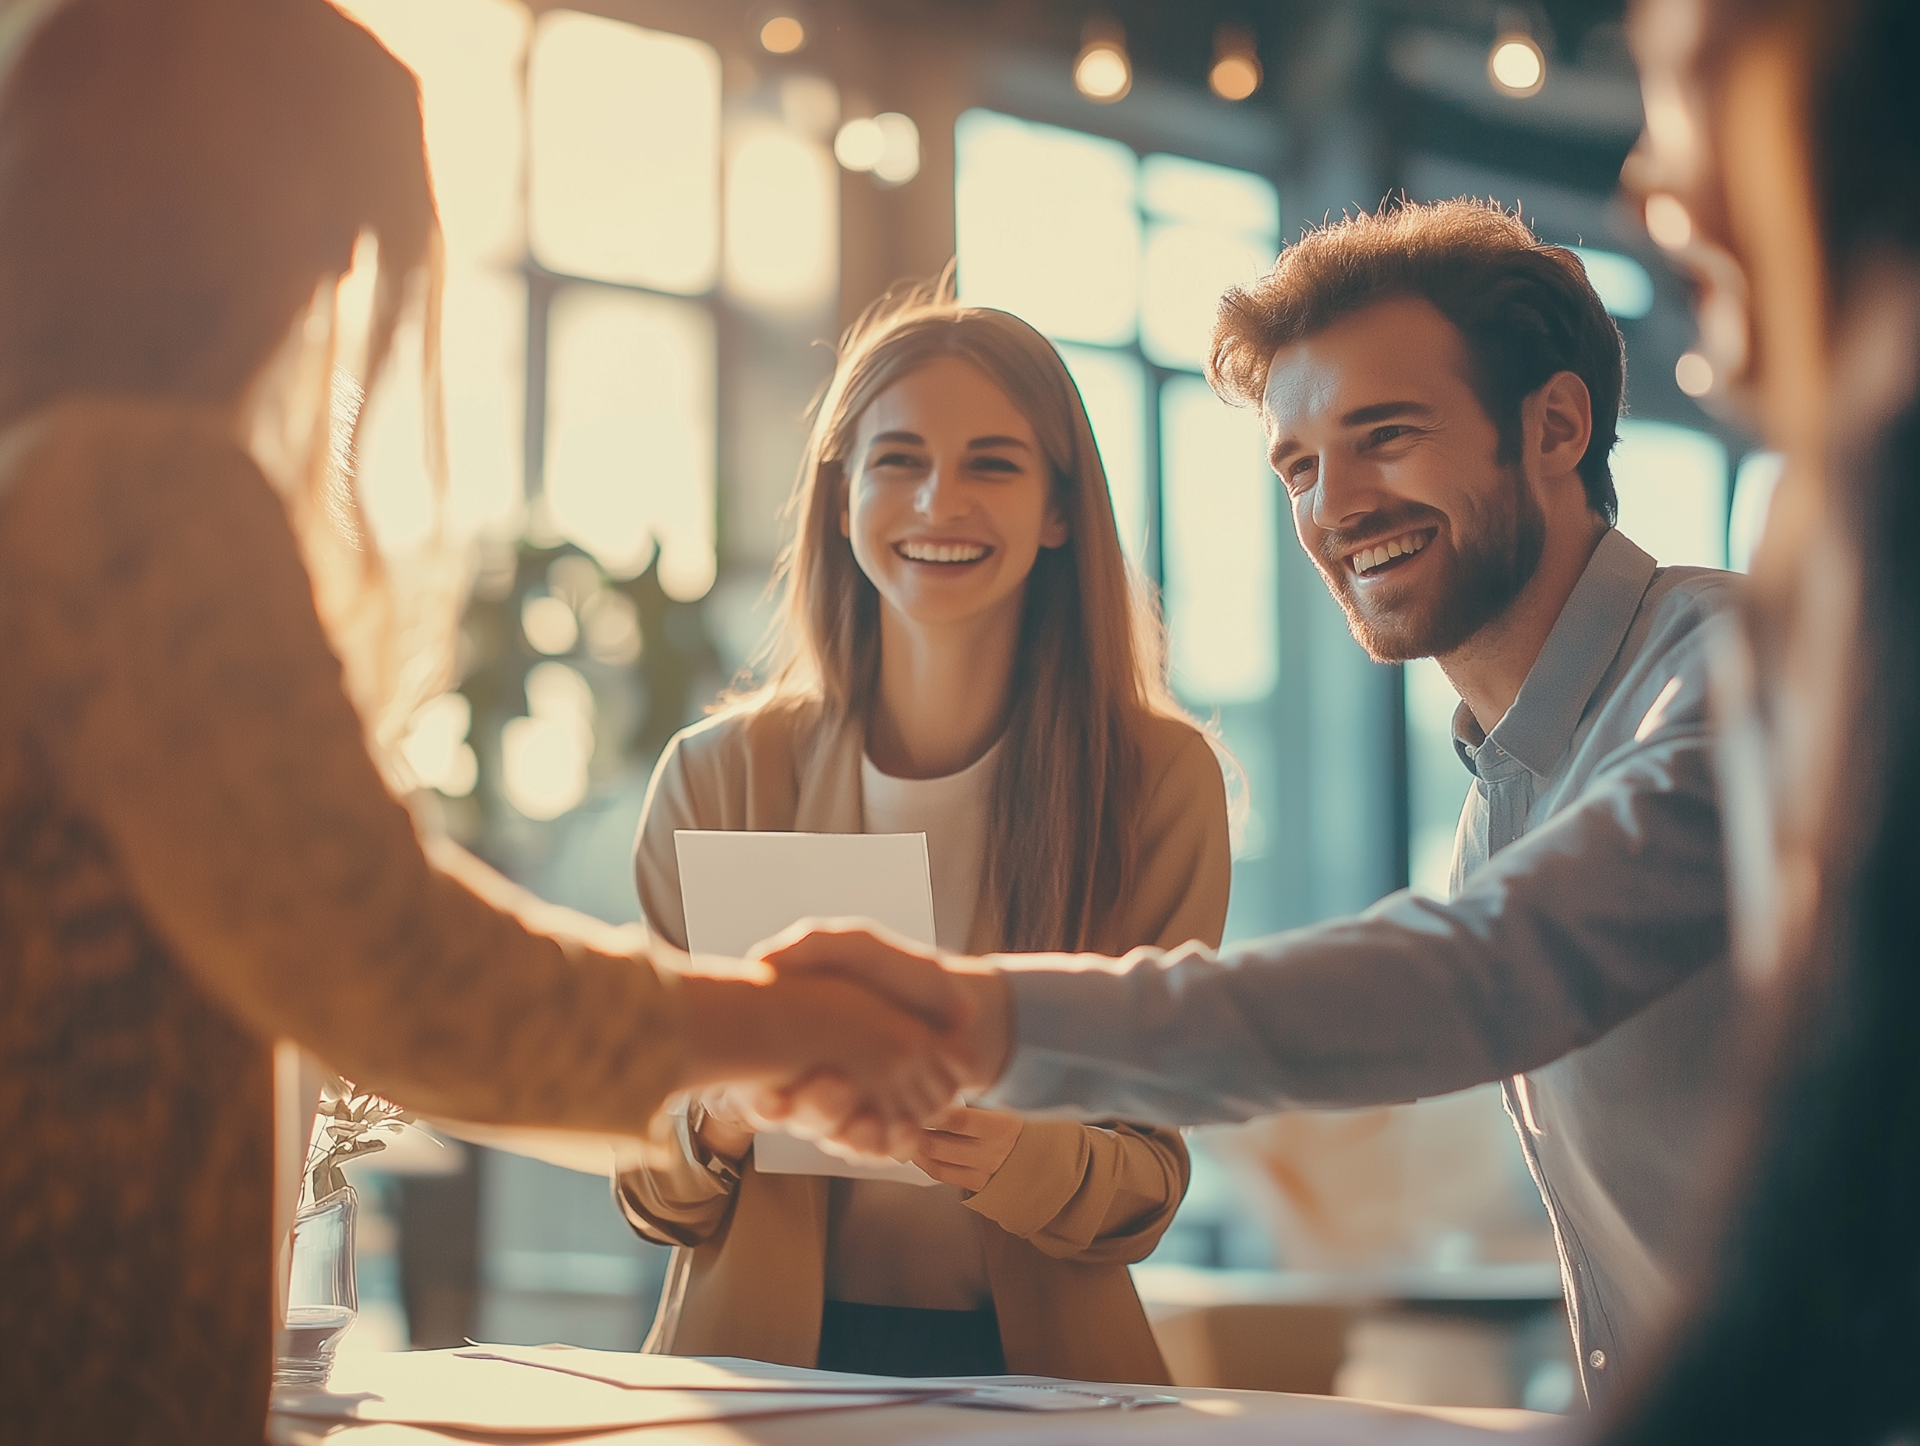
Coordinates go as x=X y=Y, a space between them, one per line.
x=457 y=1390
x=740 y=888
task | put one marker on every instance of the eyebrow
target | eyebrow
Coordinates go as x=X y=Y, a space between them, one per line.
x=914 y=439
x=1359 y=417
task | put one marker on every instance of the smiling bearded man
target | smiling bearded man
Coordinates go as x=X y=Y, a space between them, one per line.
x=1440 y=394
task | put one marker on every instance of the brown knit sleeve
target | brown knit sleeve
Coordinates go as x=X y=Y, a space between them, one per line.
x=204 y=726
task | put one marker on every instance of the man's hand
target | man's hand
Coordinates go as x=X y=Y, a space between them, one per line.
x=965 y=1147
x=965 y=998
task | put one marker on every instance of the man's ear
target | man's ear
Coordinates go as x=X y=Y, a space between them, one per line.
x=1558 y=423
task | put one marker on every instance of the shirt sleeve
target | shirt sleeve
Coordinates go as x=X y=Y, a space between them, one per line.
x=200 y=721
x=1614 y=901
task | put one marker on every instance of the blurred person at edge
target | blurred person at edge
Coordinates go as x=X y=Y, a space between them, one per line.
x=962 y=652
x=199 y=855
x=1789 y=131
x=1440 y=393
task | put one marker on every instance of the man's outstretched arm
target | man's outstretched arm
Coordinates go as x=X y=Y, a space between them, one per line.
x=1567 y=932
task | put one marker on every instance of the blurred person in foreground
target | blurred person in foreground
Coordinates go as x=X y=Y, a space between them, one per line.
x=1787 y=134
x=1440 y=393
x=199 y=855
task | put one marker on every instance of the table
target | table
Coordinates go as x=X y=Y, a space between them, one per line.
x=885 y=1425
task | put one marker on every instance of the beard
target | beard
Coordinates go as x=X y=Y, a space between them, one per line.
x=1486 y=558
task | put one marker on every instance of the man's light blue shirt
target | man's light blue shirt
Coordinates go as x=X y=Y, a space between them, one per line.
x=1582 y=959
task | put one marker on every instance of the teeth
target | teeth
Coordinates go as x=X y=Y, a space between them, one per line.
x=942 y=552
x=1404 y=546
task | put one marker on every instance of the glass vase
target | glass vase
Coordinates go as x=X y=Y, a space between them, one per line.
x=322 y=1297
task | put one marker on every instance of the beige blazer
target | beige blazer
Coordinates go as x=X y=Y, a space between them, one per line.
x=1072 y=1206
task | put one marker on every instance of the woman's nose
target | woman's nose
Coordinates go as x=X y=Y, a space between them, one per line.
x=939 y=497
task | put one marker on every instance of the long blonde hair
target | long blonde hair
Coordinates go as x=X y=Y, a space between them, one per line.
x=181 y=185
x=1090 y=671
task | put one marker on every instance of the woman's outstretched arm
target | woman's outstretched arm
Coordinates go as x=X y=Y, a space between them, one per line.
x=194 y=708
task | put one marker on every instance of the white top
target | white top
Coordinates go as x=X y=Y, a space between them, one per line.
x=911 y=1245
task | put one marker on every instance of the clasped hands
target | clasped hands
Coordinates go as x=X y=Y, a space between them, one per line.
x=855 y=1038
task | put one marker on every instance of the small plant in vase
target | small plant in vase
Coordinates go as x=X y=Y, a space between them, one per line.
x=347 y=1125
x=323 y=1297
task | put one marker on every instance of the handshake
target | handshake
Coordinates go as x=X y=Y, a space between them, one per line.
x=850 y=1036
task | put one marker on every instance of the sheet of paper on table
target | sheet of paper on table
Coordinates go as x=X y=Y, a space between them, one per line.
x=632 y=1371
x=456 y=1390
x=739 y=888
x=1343 y=1424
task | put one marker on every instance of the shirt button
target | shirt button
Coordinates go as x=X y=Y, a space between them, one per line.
x=1598 y=1360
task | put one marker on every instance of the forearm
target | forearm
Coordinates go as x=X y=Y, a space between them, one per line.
x=1562 y=936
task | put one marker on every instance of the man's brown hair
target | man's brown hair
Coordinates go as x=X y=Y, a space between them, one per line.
x=1524 y=309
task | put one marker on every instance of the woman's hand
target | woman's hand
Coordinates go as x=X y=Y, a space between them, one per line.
x=727 y=1128
x=965 y=1147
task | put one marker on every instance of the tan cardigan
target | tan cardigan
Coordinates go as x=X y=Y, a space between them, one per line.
x=1073 y=1204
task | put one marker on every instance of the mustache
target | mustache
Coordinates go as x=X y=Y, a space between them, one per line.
x=1336 y=543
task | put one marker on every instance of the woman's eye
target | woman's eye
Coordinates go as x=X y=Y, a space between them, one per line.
x=895 y=459
x=995 y=464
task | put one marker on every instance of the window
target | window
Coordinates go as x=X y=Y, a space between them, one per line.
x=1672 y=483
x=1121 y=259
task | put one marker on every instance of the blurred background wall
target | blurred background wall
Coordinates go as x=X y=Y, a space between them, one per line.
x=659 y=214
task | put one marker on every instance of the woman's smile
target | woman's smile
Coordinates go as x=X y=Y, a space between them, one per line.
x=941 y=552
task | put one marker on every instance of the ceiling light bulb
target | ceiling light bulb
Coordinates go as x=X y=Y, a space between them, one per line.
x=1103 y=72
x=1234 y=77
x=1668 y=222
x=1516 y=65
x=782 y=35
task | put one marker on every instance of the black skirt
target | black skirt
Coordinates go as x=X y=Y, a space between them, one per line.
x=889 y=1340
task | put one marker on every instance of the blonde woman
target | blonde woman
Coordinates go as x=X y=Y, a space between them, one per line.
x=198 y=854
x=962 y=652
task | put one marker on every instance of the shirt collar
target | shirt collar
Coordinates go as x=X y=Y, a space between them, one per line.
x=1588 y=633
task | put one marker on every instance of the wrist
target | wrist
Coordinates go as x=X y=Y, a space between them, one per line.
x=730 y=1033
x=988 y=1032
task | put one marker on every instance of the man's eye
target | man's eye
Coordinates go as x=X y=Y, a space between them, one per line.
x=1389 y=433
x=1299 y=475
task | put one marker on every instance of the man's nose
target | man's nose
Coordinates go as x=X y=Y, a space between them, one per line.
x=1345 y=491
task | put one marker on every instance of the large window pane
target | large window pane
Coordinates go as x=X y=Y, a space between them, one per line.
x=1222 y=571
x=1184 y=271
x=783 y=218
x=1220 y=198
x=1672 y=483
x=1113 y=385
x=625 y=163
x=1436 y=781
x=484 y=365
x=1048 y=226
x=468 y=55
x=630 y=432
x=483 y=376
x=1753 y=488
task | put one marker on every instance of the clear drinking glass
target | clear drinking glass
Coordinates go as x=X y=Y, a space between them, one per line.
x=322 y=1298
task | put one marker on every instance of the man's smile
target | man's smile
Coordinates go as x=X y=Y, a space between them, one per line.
x=1377 y=558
